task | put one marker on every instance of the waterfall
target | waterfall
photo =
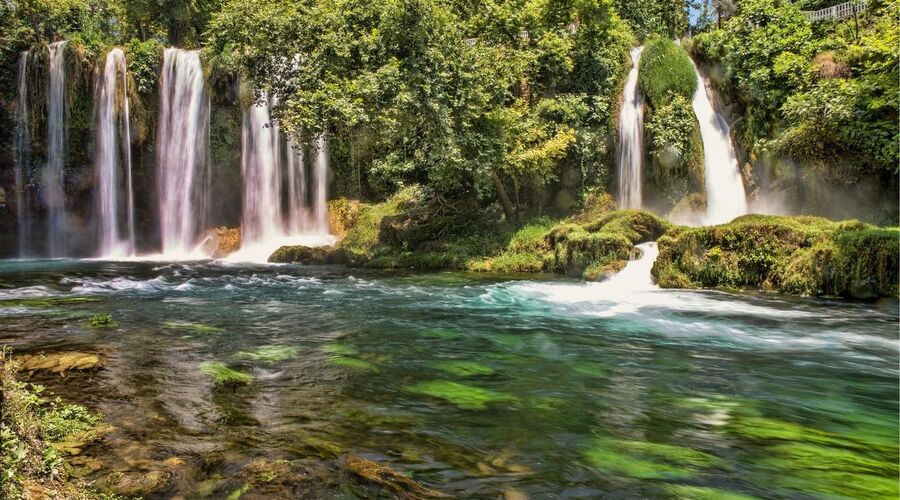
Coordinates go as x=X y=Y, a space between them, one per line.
x=261 y=168
x=22 y=158
x=181 y=143
x=631 y=131
x=53 y=186
x=298 y=214
x=725 y=196
x=109 y=152
x=320 y=194
x=276 y=201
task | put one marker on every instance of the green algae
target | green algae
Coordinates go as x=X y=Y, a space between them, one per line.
x=353 y=363
x=589 y=369
x=269 y=354
x=197 y=328
x=646 y=460
x=688 y=492
x=464 y=396
x=221 y=374
x=46 y=301
x=342 y=349
x=463 y=368
x=103 y=321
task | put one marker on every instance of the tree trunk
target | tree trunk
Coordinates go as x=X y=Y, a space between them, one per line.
x=504 y=198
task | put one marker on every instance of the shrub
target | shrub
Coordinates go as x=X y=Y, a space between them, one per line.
x=666 y=71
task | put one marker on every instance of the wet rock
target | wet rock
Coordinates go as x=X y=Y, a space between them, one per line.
x=266 y=479
x=384 y=476
x=310 y=255
x=220 y=241
x=135 y=483
x=59 y=362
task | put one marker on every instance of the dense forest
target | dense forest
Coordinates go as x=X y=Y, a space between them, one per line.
x=507 y=102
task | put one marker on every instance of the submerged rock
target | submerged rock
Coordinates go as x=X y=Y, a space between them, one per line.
x=384 y=476
x=59 y=362
x=221 y=241
x=135 y=483
x=309 y=255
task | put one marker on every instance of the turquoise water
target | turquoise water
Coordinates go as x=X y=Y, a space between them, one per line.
x=474 y=385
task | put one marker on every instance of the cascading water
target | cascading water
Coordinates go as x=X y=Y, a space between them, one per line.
x=272 y=167
x=22 y=157
x=182 y=142
x=320 y=195
x=53 y=192
x=725 y=196
x=260 y=167
x=111 y=179
x=631 y=147
x=298 y=215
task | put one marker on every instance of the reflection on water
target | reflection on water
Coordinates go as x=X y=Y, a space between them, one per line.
x=474 y=384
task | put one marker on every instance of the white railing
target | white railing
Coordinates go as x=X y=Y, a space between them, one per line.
x=840 y=11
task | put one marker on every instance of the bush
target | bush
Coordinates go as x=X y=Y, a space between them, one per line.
x=666 y=71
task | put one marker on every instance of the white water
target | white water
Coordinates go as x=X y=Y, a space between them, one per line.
x=112 y=161
x=276 y=211
x=631 y=142
x=182 y=142
x=52 y=186
x=22 y=157
x=725 y=196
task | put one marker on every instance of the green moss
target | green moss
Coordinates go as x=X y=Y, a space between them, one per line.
x=103 y=321
x=221 y=374
x=687 y=492
x=800 y=255
x=359 y=364
x=197 y=328
x=464 y=368
x=666 y=71
x=461 y=395
x=269 y=354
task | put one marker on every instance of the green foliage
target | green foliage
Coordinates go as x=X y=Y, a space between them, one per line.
x=666 y=71
x=144 y=59
x=825 y=96
x=676 y=151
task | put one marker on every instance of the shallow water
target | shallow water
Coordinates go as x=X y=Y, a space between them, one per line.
x=475 y=385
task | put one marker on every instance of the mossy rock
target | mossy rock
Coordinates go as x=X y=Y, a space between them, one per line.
x=59 y=362
x=309 y=255
x=799 y=255
x=135 y=483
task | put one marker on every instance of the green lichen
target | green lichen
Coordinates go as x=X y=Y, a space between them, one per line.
x=464 y=396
